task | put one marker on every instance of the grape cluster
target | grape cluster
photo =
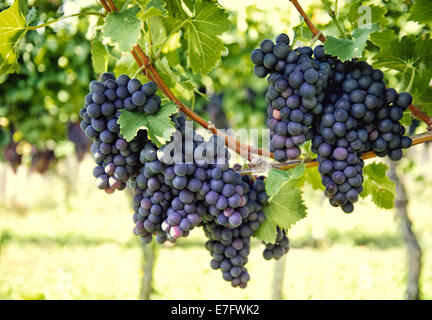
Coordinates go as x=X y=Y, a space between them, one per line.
x=344 y=107
x=116 y=159
x=174 y=195
x=169 y=200
x=359 y=115
x=230 y=247
x=277 y=249
x=295 y=93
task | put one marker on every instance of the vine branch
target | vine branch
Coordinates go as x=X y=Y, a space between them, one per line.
x=46 y=24
x=417 y=139
x=311 y=26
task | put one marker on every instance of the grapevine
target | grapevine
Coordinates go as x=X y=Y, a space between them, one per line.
x=320 y=100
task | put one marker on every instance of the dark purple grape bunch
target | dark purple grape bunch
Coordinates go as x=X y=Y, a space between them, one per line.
x=295 y=94
x=225 y=198
x=117 y=159
x=359 y=115
x=229 y=249
x=279 y=248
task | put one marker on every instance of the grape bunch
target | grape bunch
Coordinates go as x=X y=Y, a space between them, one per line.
x=117 y=160
x=277 y=249
x=344 y=107
x=169 y=196
x=359 y=115
x=295 y=93
x=230 y=247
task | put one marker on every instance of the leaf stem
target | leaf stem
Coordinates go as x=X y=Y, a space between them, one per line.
x=315 y=38
x=408 y=89
x=332 y=15
x=62 y=18
x=140 y=69
x=149 y=36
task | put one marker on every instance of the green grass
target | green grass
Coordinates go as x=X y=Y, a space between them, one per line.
x=82 y=247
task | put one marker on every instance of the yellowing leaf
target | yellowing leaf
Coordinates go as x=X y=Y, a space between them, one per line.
x=12 y=29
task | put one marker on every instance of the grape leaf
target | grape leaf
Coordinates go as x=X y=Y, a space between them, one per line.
x=383 y=38
x=12 y=30
x=406 y=119
x=31 y=15
x=267 y=231
x=312 y=177
x=159 y=126
x=377 y=13
x=403 y=53
x=302 y=33
x=286 y=205
x=277 y=178
x=184 y=88
x=421 y=11
x=123 y=29
x=407 y=55
x=378 y=185
x=204 y=48
x=125 y=65
x=152 y=8
x=99 y=54
x=346 y=49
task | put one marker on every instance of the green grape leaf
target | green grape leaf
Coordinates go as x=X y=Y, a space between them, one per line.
x=286 y=205
x=277 y=178
x=158 y=32
x=267 y=231
x=421 y=11
x=31 y=15
x=406 y=119
x=408 y=55
x=99 y=54
x=383 y=38
x=152 y=8
x=346 y=49
x=378 y=185
x=204 y=48
x=302 y=33
x=123 y=29
x=12 y=30
x=159 y=126
x=400 y=54
x=358 y=10
x=312 y=177
x=184 y=88
x=422 y=90
x=125 y=65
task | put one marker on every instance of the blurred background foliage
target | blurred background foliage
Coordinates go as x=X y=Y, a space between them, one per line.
x=66 y=240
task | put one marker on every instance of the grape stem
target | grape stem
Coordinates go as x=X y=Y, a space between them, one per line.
x=309 y=23
x=416 y=112
x=46 y=24
x=417 y=139
x=332 y=15
x=142 y=59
